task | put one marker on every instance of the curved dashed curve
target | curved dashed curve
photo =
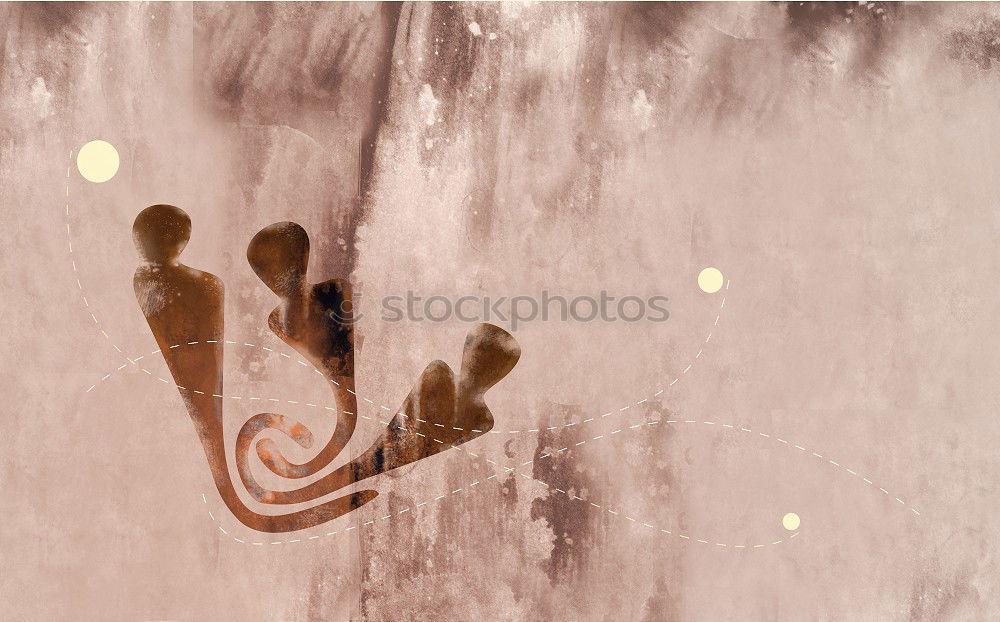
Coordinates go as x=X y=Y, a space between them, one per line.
x=619 y=513
x=766 y=435
x=135 y=360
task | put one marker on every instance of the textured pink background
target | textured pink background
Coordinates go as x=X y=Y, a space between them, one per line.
x=839 y=167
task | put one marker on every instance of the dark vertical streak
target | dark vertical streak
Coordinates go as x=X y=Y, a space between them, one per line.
x=389 y=15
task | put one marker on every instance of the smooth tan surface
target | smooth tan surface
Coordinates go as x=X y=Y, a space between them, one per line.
x=839 y=170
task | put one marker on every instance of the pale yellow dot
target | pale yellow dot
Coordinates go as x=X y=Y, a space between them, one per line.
x=710 y=280
x=790 y=521
x=97 y=161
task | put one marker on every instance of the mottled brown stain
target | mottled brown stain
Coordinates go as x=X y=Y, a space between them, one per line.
x=660 y=606
x=571 y=521
x=979 y=44
x=936 y=596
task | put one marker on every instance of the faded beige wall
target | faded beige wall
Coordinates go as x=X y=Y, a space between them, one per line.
x=840 y=168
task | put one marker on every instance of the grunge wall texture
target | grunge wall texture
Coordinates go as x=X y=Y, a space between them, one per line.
x=837 y=162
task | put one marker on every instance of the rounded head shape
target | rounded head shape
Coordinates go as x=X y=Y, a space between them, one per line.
x=490 y=353
x=279 y=254
x=160 y=233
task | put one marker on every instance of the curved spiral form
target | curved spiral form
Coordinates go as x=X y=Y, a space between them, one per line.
x=182 y=304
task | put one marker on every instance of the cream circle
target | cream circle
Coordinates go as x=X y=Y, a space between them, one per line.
x=790 y=521
x=710 y=280
x=97 y=161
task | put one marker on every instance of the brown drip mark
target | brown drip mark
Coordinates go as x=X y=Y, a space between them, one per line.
x=183 y=305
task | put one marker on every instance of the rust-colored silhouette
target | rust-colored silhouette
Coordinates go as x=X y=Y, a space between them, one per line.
x=183 y=305
x=436 y=415
x=317 y=321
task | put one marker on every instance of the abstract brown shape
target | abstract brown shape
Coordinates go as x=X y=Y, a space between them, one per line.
x=317 y=322
x=435 y=416
x=185 y=305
